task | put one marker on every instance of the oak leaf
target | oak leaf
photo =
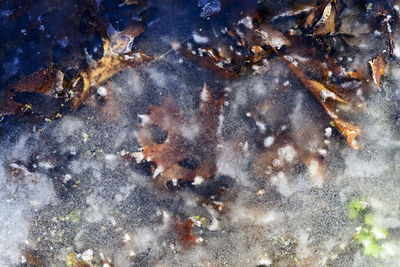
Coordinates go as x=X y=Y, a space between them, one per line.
x=188 y=139
x=104 y=69
x=325 y=97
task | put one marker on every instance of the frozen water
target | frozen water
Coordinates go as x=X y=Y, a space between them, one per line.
x=279 y=194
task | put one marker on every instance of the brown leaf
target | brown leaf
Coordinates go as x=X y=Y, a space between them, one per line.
x=104 y=69
x=241 y=48
x=184 y=232
x=297 y=11
x=326 y=24
x=276 y=38
x=358 y=75
x=213 y=61
x=193 y=139
x=9 y=107
x=379 y=68
x=33 y=258
x=44 y=82
x=129 y=2
x=349 y=131
x=322 y=18
x=323 y=94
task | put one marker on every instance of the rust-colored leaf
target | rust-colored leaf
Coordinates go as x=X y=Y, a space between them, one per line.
x=323 y=94
x=212 y=61
x=379 y=67
x=33 y=258
x=193 y=139
x=44 y=82
x=184 y=232
x=358 y=75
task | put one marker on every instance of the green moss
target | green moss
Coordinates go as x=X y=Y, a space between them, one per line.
x=75 y=216
x=369 y=234
x=371 y=248
x=357 y=206
x=369 y=219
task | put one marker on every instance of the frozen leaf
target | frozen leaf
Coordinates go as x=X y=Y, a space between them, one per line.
x=184 y=232
x=9 y=107
x=188 y=139
x=297 y=11
x=32 y=258
x=129 y=2
x=277 y=39
x=213 y=61
x=322 y=18
x=379 y=67
x=104 y=69
x=241 y=47
x=349 y=131
x=47 y=81
x=326 y=24
x=324 y=96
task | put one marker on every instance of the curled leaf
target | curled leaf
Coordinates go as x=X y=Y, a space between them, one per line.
x=46 y=82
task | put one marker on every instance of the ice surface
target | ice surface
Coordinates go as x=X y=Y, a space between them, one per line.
x=79 y=186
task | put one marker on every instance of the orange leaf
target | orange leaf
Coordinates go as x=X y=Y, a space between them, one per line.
x=349 y=131
x=379 y=67
x=104 y=69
